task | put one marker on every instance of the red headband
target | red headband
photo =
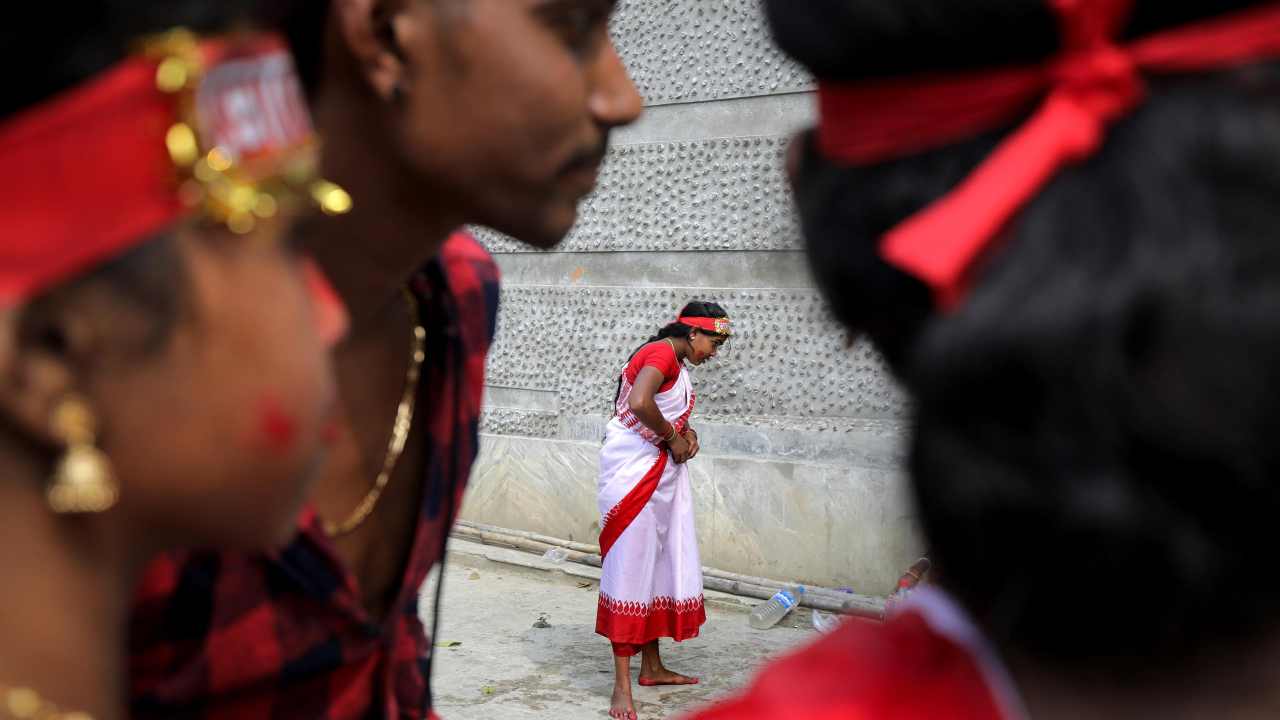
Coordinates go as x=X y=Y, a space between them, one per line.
x=715 y=326
x=92 y=173
x=1091 y=83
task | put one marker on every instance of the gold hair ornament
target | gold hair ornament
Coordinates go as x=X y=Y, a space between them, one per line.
x=236 y=193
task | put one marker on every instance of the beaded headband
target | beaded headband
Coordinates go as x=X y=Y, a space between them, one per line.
x=715 y=326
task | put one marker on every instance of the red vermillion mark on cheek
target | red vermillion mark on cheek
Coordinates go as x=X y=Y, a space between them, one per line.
x=277 y=428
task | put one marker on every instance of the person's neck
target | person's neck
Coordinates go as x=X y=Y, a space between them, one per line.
x=682 y=348
x=65 y=585
x=395 y=224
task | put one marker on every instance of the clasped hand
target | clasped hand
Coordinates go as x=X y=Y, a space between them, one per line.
x=684 y=447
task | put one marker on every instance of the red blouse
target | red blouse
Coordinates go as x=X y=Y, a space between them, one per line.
x=660 y=355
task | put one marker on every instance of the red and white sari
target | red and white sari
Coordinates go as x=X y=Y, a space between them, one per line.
x=651 y=586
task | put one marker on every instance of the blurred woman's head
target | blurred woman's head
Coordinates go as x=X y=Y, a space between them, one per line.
x=1092 y=450
x=187 y=348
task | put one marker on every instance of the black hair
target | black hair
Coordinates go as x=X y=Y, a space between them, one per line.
x=1093 y=445
x=695 y=309
x=73 y=47
x=303 y=23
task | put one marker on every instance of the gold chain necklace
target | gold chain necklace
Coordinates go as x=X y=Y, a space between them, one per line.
x=399 y=429
x=20 y=703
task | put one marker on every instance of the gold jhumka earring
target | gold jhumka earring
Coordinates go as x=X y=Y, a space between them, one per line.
x=83 y=481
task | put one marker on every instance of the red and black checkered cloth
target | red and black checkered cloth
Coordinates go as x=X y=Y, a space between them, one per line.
x=221 y=635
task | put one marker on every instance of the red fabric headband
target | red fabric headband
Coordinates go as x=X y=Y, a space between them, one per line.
x=715 y=326
x=1091 y=83
x=89 y=174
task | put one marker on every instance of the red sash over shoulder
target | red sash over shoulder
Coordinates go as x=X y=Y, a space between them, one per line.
x=621 y=515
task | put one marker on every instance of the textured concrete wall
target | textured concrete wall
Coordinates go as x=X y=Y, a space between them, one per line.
x=799 y=473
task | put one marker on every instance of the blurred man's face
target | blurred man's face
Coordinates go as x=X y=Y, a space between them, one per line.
x=508 y=106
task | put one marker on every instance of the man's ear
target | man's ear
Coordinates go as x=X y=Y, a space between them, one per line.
x=38 y=360
x=374 y=33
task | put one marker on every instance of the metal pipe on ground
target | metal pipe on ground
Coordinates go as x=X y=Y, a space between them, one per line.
x=817 y=598
x=706 y=571
x=488 y=537
x=569 y=544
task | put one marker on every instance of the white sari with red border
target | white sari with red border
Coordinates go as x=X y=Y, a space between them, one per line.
x=651 y=586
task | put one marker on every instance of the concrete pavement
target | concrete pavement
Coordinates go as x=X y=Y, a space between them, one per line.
x=504 y=667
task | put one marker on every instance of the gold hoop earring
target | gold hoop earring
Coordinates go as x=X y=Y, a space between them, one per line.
x=83 y=481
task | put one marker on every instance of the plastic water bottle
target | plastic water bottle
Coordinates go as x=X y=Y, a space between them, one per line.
x=556 y=555
x=766 y=615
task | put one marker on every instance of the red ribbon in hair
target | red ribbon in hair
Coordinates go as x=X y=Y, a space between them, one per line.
x=1091 y=83
x=88 y=174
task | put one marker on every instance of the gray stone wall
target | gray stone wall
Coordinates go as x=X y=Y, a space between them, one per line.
x=799 y=475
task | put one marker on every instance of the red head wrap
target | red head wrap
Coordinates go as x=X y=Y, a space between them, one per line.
x=715 y=326
x=1091 y=83
x=98 y=169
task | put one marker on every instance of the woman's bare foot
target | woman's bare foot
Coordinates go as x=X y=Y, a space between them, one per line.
x=653 y=672
x=621 y=706
x=664 y=676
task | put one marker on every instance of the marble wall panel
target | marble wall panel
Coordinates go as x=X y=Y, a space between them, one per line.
x=802 y=522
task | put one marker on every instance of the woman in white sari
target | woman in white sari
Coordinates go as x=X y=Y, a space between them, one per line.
x=651 y=586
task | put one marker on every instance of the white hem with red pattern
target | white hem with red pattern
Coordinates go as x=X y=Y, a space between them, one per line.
x=639 y=623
